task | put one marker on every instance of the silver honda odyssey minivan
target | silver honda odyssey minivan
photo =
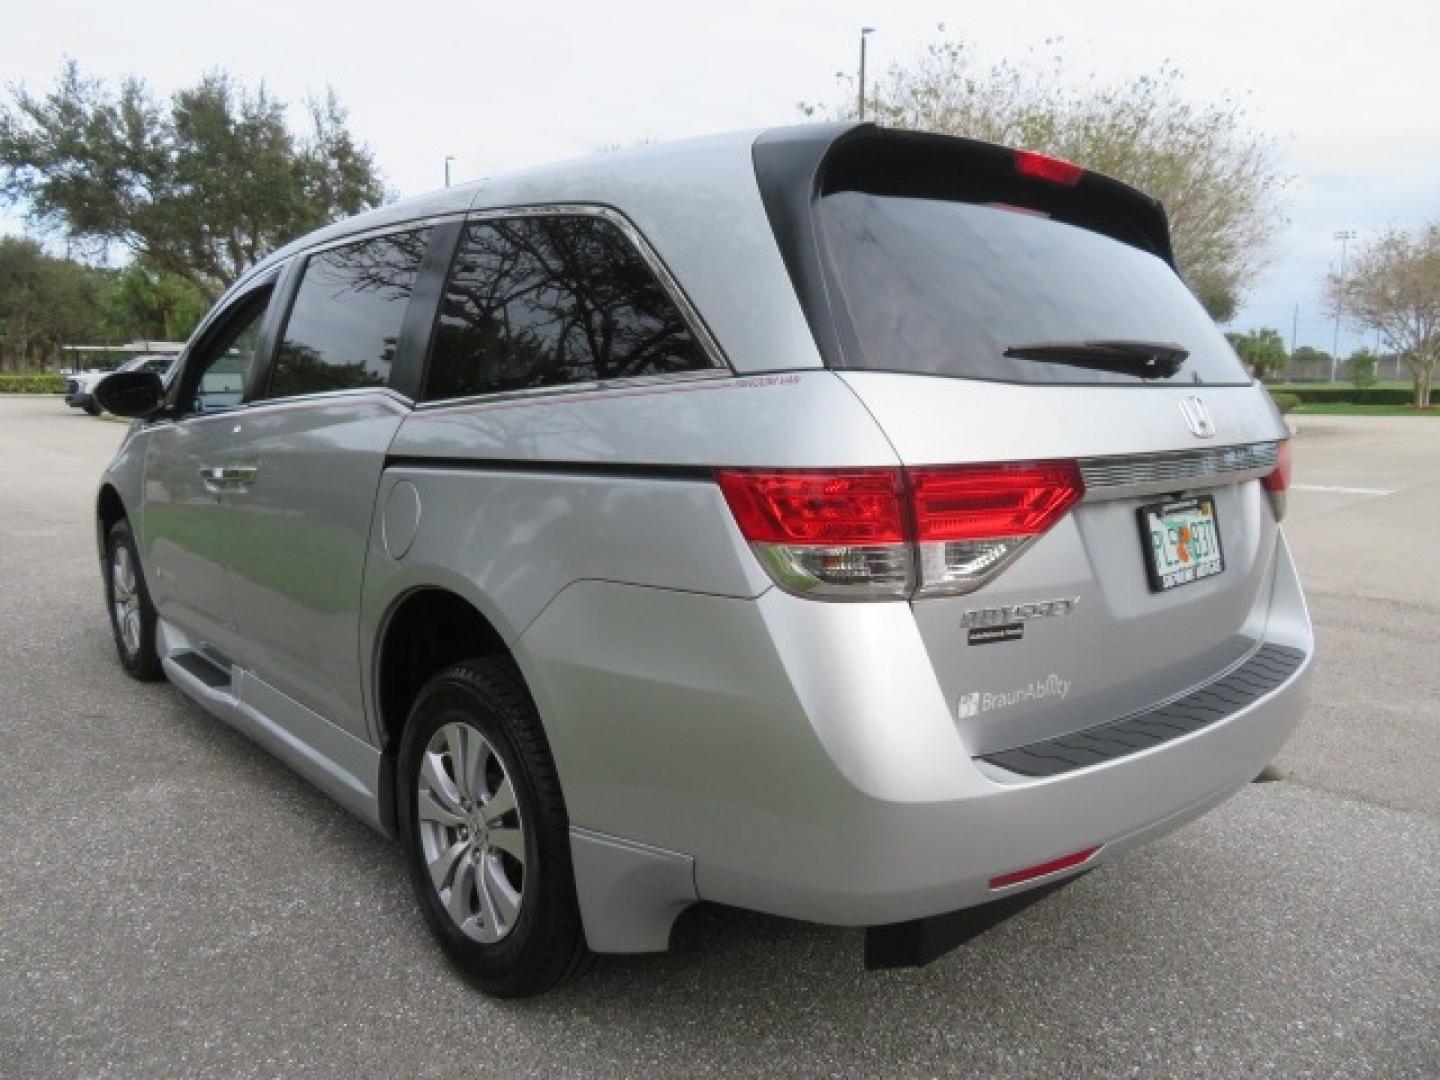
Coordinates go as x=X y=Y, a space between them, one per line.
x=861 y=526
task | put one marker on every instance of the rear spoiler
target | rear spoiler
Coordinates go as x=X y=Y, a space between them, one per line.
x=796 y=166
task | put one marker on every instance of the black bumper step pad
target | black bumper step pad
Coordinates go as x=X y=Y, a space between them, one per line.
x=1267 y=669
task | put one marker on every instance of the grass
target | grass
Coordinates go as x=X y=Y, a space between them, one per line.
x=1340 y=408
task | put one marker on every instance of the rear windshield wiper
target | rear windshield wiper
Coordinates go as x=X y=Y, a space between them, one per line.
x=1147 y=359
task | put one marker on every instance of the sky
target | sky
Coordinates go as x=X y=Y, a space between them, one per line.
x=1348 y=89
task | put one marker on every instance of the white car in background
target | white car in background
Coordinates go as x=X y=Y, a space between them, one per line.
x=80 y=386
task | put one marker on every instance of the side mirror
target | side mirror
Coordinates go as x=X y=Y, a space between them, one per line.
x=135 y=394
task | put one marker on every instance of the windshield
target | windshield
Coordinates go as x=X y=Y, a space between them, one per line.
x=940 y=287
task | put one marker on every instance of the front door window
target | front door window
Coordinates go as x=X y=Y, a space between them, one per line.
x=216 y=379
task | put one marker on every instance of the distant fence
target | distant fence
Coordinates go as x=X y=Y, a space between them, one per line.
x=1389 y=368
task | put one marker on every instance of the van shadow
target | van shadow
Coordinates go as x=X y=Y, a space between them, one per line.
x=734 y=983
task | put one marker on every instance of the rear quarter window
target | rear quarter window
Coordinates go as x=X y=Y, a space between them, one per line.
x=548 y=300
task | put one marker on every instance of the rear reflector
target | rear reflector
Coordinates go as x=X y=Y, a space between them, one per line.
x=1030 y=873
x=863 y=533
x=1050 y=169
x=1277 y=482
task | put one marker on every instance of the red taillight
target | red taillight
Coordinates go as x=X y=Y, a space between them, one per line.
x=885 y=533
x=840 y=533
x=991 y=502
x=1279 y=480
x=973 y=520
x=857 y=506
x=1050 y=169
x=1054 y=866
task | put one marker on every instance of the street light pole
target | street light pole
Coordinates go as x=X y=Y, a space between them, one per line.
x=448 y=158
x=1344 y=236
x=865 y=32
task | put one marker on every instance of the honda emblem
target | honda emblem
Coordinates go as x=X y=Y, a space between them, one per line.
x=1197 y=417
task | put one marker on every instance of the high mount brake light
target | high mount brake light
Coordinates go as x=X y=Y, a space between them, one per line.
x=891 y=533
x=1052 y=170
x=1277 y=481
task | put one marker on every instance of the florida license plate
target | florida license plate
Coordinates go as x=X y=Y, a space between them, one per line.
x=1182 y=541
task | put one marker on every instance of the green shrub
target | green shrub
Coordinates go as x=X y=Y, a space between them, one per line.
x=32 y=384
x=1334 y=394
x=1362 y=366
x=1283 y=401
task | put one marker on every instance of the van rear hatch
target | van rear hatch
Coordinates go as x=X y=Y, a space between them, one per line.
x=1023 y=318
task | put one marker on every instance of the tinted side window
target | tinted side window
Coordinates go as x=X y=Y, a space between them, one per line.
x=543 y=301
x=216 y=373
x=346 y=319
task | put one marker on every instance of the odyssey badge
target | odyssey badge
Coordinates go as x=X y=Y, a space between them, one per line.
x=1014 y=613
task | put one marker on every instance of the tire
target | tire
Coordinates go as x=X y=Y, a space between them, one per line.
x=501 y=900
x=127 y=597
x=92 y=408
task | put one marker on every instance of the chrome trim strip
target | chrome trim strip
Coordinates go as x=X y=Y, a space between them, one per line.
x=414 y=225
x=560 y=390
x=248 y=408
x=326 y=395
x=1129 y=475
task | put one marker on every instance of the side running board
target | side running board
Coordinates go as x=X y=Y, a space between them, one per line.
x=202 y=669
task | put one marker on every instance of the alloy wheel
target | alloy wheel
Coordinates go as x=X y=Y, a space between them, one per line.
x=471 y=832
x=125 y=598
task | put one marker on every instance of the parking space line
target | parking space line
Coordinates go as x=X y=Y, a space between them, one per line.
x=1333 y=490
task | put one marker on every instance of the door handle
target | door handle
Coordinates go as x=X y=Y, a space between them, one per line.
x=222 y=479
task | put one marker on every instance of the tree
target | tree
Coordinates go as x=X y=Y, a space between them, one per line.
x=1219 y=180
x=201 y=187
x=45 y=303
x=1263 y=351
x=1362 y=366
x=1393 y=287
x=144 y=302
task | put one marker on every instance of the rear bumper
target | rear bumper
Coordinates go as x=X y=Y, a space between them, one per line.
x=80 y=399
x=909 y=860
x=761 y=742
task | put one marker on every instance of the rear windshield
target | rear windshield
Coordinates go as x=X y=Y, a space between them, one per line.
x=940 y=287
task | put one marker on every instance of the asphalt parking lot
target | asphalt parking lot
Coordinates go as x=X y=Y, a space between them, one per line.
x=174 y=902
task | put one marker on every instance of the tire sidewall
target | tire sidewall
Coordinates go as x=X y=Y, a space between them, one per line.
x=506 y=967
x=144 y=663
